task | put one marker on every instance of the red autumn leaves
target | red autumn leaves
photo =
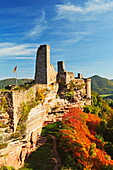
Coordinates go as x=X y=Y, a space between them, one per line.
x=78 y=139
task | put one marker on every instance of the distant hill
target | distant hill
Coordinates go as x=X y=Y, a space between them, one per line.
x=102 y=85
x=99 y=84
x=12 y=81
x=26 y=80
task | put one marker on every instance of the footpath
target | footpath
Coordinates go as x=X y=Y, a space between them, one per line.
x=55 y=154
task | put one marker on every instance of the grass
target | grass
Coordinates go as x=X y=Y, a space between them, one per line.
x=106 y=95
x=42 y=158
x=67 y=162
x=52 y=128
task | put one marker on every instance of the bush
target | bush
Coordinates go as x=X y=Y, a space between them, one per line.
x=52 y=128
x=14 y=135
x=3 y=145
x=2 y=125
x=69 y=95
x=109 y=148
x=109 y=167
x=92 y=109
x=6 y=168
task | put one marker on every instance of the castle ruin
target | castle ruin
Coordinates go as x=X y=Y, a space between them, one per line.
x=53 y=86
x=45 y=78
x=46 y=74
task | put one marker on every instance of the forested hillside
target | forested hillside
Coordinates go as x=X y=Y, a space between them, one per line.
x=102 y=85
x=12 y=81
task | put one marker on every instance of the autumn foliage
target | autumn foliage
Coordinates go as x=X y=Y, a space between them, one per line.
x=79 y=140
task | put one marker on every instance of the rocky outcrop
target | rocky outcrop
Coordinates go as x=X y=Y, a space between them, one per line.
x=50 y=110
x=6 y=110
x=17 y=151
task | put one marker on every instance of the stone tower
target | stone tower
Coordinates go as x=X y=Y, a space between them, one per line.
x=42 y=65
x=88 y=88
x=61 y=66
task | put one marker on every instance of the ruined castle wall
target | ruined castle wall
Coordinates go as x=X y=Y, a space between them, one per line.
x=7 y=110
x=82 y=83
x=16 y=152
x=69 y=77
x=42 y=65
x=61 y=77
x=45 y=72
x=17 y=97
x=61 y=66
x=21 y=96
x=88 y=88
x=52 y=74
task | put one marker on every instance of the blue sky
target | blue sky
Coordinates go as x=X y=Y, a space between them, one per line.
x=80 y=32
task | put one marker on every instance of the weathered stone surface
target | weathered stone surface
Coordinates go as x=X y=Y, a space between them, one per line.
x=16 y=152
x=45 y=73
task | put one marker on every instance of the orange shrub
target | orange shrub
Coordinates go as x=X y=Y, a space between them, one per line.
x=78 y=140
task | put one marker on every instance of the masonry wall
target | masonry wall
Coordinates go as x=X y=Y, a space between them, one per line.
x=52 y=74
x=17 y=151
x=18 y=98
x=88 y=88
x=7 y=117
x=69 y=77
x=64 y=76
x=45 y=72
x=21 y=96
x=42 y=65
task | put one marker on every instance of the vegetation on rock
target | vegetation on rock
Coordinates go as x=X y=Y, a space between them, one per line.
x=6 y=168
x=3 y=145
x=25 y=108
x=42 y=158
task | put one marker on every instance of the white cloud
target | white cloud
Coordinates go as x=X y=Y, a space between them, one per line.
x=23 y=58
x=98 y=6
x=12 y=50
x=40 y=25
x=72 y=40
x=91 y=6
x=6 y=44
x=83 y=21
